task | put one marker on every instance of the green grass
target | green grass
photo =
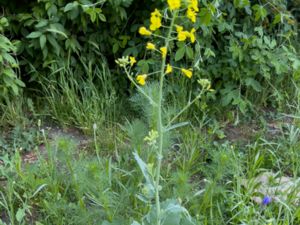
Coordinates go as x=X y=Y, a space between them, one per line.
x=70 y=186
x=210 y=175
x=81 y=100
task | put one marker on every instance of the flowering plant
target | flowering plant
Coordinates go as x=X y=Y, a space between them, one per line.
x=173 y=25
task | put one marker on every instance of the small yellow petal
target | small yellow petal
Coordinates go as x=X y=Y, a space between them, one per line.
x=156 y=13
x=141 y=79
x=169 y=69
x=187 y=72
x=191 y=14
x=179 y=28
x=132 y=60
x=150 y=46
x=163 y=51
x=174 y=4
x=194 y=5
x=144 y=31
x=155 y=20
x=192 y=35
x=155 y=23
x=183 y=35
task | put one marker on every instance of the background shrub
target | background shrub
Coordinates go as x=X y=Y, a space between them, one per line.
x=9 y=82
x=246 y=48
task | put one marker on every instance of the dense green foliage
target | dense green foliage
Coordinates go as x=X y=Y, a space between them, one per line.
x=244 y=47
x=9 y=82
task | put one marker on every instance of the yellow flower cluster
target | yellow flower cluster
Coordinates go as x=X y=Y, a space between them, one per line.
x=174 y=4
x=192 y=10
x=182 y=35
x=155 y=20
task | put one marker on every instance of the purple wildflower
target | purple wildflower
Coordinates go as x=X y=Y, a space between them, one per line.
x=266 y=200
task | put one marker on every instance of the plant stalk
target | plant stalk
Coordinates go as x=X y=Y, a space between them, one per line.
x=160 y=124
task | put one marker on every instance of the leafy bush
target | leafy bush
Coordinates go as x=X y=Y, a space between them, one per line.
x=249 y=50
x=244 y=47
x=66 y=34
x=9 y=82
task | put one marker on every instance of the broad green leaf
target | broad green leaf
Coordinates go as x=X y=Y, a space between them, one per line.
x=277 y=19
x=209 y=53
x=54 y=43
x=20 y=214
x=102 y=17
x=229 y=97
x=241 y=3
x=143 y=64
x=45 y=52
x=254 y=84
x=20 y=83
x=57 y=32
x=189 y=52
x=9 y=59
x=15 y=88
x=260 y=12
x=115 y=47
x=42 y=41
x=144 y=168
x=205 y=17
x=41 y=23
x=34 y=34
x=180 y=53
x=9 y=73
x=70 y=6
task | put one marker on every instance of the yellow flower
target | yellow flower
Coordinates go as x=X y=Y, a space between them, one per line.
x=192 y=35
x=183 y=35
x=188 y=73
x=144 y=31
x=179 y=28
x=156 y=13
x=141 y=79
x=169 y=69
x=132 y=60
x=194 y=5
x=155 y=20
x=174 y=4
x=150 y=46
x=191 y=14
x=163 y=51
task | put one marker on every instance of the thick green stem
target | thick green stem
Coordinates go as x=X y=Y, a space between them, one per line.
x=160 y=124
